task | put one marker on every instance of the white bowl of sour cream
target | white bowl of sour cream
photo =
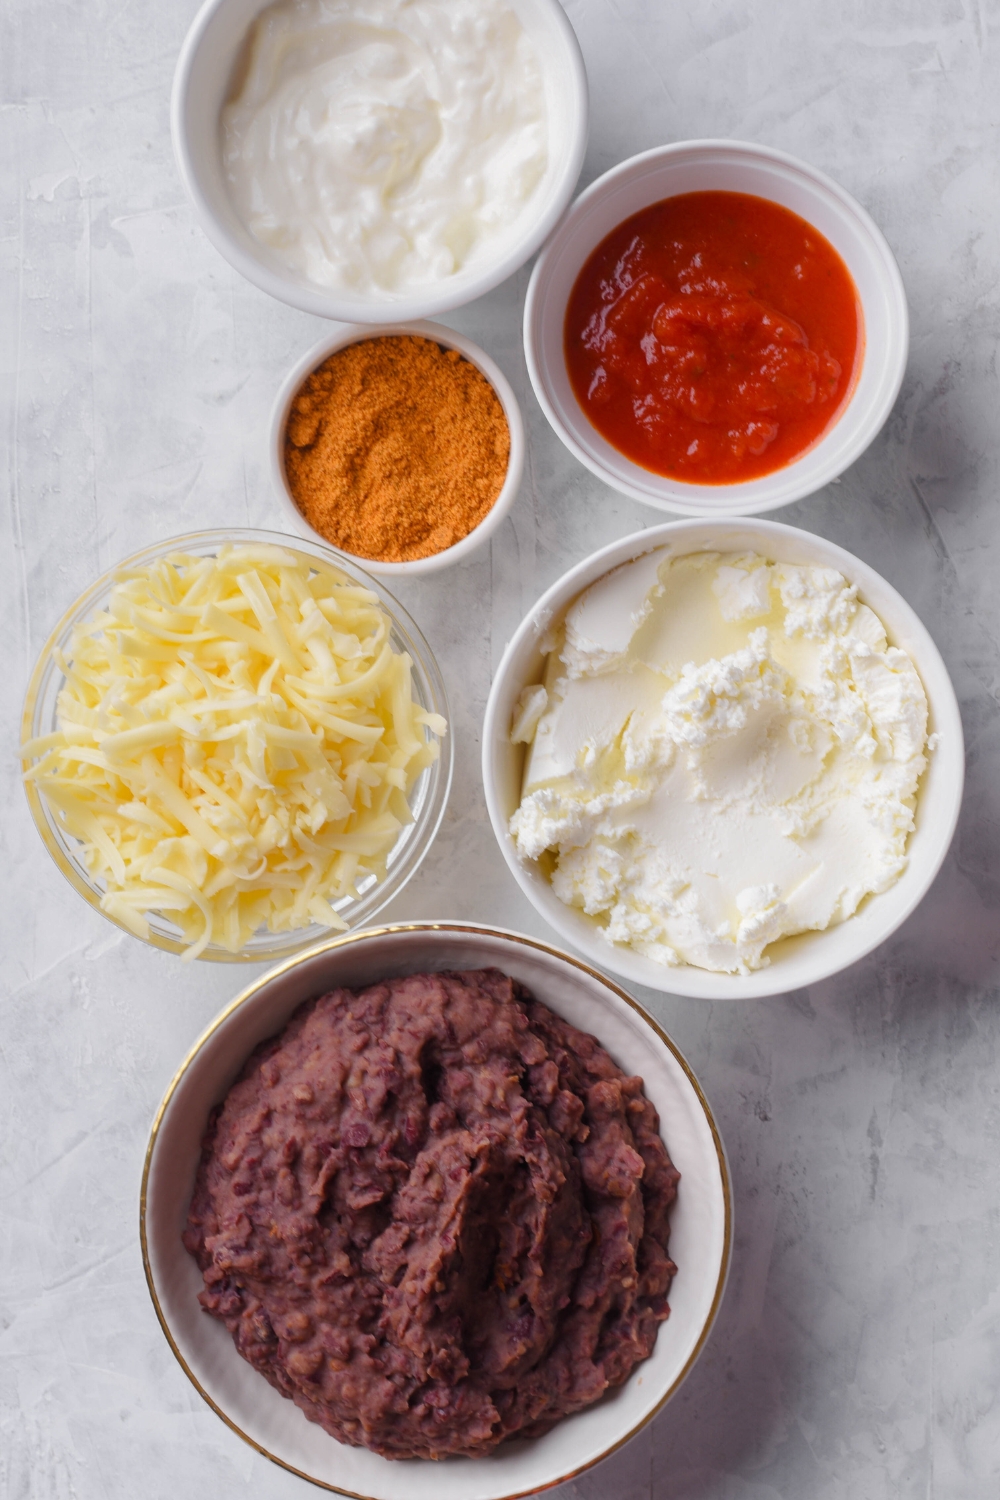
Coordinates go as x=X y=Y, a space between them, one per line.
x=376 y=160
x=734 y=752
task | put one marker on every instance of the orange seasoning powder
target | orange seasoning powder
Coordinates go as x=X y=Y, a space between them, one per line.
x=396 y=448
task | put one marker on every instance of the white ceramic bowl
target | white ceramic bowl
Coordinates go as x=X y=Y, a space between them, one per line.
x=428 y=798
x=201 y=85
x=447 y=337
x=796 y=961
x=700 y=1236
x=720 y=166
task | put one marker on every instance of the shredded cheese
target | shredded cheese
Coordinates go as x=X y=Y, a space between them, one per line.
x=237 y=740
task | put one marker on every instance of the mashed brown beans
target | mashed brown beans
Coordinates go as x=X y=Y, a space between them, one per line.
x=435 y=1215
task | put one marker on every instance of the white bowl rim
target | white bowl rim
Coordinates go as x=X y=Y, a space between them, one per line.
x=769 y=491
x=688 y=979
x=473 y=929
x=401 y=619
x=439 y=333
x=324 y=302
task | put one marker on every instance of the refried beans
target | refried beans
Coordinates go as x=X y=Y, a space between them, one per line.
x=435 y=1215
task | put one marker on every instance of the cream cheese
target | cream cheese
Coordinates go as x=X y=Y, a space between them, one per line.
x=380 y=145
x=728 y=753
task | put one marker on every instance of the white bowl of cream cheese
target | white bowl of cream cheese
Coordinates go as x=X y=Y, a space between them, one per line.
x=744 y=758
x=379 y=160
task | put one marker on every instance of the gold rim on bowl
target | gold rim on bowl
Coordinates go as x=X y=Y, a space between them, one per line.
x=473 y=929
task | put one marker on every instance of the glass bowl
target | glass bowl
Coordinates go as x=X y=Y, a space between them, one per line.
x=427 y=800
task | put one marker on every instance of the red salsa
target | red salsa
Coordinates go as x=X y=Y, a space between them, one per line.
x=713 y=337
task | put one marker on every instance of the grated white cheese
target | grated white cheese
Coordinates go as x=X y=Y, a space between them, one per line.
x=236 y=742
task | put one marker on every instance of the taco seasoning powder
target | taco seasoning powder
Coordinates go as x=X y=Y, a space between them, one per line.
x=396 y=448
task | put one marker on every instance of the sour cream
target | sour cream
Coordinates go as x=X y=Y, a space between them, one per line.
x=724 y=752
x=378 y=146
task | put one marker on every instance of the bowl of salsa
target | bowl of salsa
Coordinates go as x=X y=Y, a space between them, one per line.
x=716 y=328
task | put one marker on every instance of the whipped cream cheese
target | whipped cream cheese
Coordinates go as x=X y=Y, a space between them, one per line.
x=380 y=145
x=724 y=752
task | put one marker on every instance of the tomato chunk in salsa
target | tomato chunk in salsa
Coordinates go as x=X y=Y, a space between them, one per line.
x=713 y=337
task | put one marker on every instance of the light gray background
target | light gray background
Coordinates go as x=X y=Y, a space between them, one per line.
x=858 y=1351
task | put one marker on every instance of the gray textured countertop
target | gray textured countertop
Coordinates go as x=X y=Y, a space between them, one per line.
x=858 y=1349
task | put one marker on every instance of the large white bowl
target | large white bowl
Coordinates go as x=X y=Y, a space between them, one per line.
x=202 y=81
x=720 y=166
x=354 y=334
x=795 y=961
x=700 y=1233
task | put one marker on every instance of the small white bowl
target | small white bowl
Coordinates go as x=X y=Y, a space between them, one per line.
x=700 y=1221
x=795 y=961
x=720 y=166
x=205 y=68
x=354 y=334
